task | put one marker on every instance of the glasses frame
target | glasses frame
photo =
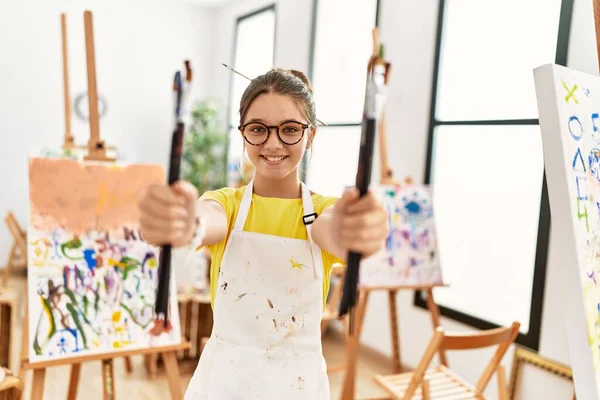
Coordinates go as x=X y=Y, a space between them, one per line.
x=276 y=127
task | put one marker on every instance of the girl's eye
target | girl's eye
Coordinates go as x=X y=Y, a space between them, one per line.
x=290 y=130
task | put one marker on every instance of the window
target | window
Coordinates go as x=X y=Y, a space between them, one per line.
x=254 y=53
x=338 y=76
x=485 y=161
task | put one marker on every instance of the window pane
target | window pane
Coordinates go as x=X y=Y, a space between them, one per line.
x=329 y=175
x=489 y=50
x=487 y=185
x=254 y=49
x=339 y=66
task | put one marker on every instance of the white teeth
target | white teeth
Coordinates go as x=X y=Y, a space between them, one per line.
x=274 y=159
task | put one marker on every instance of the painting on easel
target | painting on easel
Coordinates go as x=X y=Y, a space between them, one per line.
x=411 y=253
x=91 y=278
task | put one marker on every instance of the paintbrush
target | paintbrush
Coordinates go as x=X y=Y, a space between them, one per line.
x=181 y=93
x=374 y=94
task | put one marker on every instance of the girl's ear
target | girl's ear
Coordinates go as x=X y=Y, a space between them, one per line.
x=313 y=132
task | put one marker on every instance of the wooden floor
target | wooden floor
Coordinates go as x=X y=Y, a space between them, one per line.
x=139 y=386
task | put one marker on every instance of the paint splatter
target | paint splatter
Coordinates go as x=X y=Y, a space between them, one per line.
x=224 y=286
x=241 y=296
x=270 y=303
x=295 y=264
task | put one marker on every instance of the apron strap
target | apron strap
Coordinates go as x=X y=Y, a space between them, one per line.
x=308 y=218
x=240 y=221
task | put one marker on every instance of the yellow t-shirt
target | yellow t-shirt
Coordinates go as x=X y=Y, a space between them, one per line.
x=271 y=216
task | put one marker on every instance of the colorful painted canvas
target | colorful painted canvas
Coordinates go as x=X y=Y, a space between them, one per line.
x=569 y=111
x=91 y=277
x=411 y=253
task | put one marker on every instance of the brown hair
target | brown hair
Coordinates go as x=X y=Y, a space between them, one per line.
x=286 y=82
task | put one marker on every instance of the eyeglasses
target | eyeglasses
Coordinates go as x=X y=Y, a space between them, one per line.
x=257 y=133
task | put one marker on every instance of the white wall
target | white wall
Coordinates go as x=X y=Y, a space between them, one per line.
x=292 y=38
x=409 y=33
x=139 y=45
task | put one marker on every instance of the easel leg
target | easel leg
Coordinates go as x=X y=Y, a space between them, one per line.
x=108 y=380
x=5 y=333
x=8 y=267
x=352 y=347
x=172 y=370
x=396 y=364
x=435 y=320
x=74 y=381
x=37 y=386
x=151 y=362
x=24 y=343
x=128 y=365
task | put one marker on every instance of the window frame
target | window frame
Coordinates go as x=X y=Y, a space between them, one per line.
x=532 y=338
x=230 y=107
x=311 y=68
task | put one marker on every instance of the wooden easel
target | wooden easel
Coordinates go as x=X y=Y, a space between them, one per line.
x=169 y=355
x=353 y=341
x=96 y=152
x=96 y=148
x=17 y=257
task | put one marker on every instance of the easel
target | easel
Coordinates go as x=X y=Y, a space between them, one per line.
x=353 y=341
x=96 y=152
x=168 y=353
x=96 y=149
x=18 y=252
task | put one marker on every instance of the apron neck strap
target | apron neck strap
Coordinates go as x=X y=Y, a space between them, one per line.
x=308 y=218
x=307 y=205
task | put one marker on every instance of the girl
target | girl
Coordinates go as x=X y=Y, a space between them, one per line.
x=272 y=245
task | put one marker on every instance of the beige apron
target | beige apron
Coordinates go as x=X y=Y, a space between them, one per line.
x=266 y=338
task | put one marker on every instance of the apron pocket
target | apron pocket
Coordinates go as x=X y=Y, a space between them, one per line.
x=240 y=372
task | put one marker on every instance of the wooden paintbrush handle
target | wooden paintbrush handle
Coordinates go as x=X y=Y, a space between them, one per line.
x=91 y=76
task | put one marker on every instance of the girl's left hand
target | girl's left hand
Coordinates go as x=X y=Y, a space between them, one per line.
x=360 y=223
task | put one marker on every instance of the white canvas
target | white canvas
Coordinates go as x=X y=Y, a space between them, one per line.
x=569 y=107
x=91 y=278
x=411 y=255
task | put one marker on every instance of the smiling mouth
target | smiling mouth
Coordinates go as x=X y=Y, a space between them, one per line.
x=274 y=159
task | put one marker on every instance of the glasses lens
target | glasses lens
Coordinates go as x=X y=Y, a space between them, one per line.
x=291 y=132
x=255 y=133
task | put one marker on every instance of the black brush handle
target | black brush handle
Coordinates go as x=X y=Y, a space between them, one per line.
x=363 y=179
x=164 y=272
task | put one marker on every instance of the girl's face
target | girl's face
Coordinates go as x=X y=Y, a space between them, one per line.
x=274 y=159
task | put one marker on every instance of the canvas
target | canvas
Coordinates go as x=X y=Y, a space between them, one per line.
x=91 y=277
x=569 y=110
x=411 y=254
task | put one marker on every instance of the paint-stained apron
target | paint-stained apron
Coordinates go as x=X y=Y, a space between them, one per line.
x=266 y=337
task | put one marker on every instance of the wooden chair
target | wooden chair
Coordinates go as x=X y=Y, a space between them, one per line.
x=11 y=387
x=441 y=383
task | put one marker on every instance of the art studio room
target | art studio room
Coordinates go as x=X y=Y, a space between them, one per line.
x=300 y=199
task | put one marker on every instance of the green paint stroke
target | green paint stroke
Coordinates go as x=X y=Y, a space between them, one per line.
x=132 y=316
x=71 y=245
x=78 y=323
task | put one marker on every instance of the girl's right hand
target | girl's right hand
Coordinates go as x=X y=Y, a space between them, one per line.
x=168 y=214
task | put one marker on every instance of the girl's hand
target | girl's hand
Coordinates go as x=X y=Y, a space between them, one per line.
x=168 y=213
x=360 y=224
